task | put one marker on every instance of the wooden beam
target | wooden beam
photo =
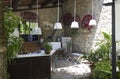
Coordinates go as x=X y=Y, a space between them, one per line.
x=36 y=8
x=62 y=1
x=55 y=2
x=32 y=3
x=16 y=4
x=45 y=3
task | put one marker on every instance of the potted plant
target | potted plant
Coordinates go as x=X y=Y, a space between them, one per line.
x=47 y=47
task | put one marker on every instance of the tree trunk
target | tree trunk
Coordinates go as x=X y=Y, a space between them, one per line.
x=3 y=62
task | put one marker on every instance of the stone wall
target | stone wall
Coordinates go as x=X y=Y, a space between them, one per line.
x=85 y=40
x=47 y=19
x=3 y=65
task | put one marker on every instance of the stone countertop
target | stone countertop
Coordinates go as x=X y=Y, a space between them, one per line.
x=42 y=53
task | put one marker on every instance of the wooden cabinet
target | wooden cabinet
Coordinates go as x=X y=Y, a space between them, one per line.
x=38 y=67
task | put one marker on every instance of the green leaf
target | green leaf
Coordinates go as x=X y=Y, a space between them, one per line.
x=11 y=21
x=106 y=36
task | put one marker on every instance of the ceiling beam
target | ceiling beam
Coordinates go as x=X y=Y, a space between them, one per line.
x=55 y=2
x=32 y=3
x=45 y=3
x=36 y=8
x=16 y=4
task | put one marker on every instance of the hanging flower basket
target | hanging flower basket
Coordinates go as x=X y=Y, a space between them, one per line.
x=85 y=22
x=67 y=18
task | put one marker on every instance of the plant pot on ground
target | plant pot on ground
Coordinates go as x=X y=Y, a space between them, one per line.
x=47 y=47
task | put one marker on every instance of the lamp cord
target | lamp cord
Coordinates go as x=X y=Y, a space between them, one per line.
x=37 y=12
x=58 y=12
x=11 y=3
x=74 y=9
x=92 y=9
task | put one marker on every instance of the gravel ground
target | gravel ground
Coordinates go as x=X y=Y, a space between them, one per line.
x=71 y=70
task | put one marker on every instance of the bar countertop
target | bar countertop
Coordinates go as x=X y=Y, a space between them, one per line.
x=42 y=53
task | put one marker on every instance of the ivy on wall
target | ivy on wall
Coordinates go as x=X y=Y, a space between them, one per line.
x=3 y=66
x=11 y=21
x=0 y=2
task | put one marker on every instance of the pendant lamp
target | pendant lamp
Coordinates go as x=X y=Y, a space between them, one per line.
x=74 y=23
x=92 y=21
x=58 y=25
x=37 y=30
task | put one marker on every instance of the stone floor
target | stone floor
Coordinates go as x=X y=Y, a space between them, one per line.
x=68 y=69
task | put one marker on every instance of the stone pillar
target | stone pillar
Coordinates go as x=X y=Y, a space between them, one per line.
x=84 y=41
x=3 y=62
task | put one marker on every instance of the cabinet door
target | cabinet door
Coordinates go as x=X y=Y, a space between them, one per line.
x=41 y=68
x=52 y=64
x=19 y=70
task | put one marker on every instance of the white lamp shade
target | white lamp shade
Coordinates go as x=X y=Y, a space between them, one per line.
x=92 y=22
x=74 y=24
x=36 y=31
x=58 y=25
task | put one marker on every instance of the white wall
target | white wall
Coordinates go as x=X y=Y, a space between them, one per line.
x=117 y=16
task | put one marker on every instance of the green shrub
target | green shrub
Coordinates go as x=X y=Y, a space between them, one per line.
x=100 y=58
x=102 y=51
x=102 y=70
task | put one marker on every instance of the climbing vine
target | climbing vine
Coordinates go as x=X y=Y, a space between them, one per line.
x=11 y=21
